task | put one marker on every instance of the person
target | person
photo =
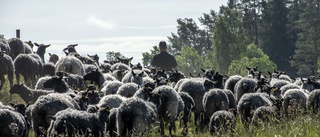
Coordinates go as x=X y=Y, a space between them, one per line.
x=164 y=60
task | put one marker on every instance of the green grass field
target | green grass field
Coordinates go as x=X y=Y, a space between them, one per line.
x=306 y=125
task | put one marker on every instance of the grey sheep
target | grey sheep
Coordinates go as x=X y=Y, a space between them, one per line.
x=16 y=46
x=28 y=95
x=313 y=103
x=120 y=66
x=285 y=88
x=49 y=105
x=214 y=100
x=111 y=88
x=28 y=47
x=196 y=90
x=274 y=82
x=109 y=77
x=168 y=107
x=135 y=117
x=222 y=120
x=41 y=50
x=231 y=82
x=49 y=69
x=70 y=122
x=97 y=77
x=296 y=99
x=135 y=76
x=127 y=89
x=30 y=66
x=243 y=86
x=58 y=84
x=263 y=115
x=111 y=101
x=231 y=98
x=4 y=45
x=111 y=128
x=70 y=64
x=7 y=68
x=74 y=81
x=249 y=102
x=53 y=58
x=12 y=124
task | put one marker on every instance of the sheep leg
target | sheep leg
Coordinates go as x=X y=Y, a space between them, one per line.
x=172 y=126
x=162 y=127
x=17 y=77
x=10 y=78
x=2 y=81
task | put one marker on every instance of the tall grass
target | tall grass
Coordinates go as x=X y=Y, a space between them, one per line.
x=306 y=125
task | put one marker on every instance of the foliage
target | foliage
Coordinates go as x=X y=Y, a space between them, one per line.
x=147 y=57
x=253 y=56
x=112 y=56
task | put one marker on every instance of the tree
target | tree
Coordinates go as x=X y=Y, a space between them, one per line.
x=112 y=56
x=307 y=51
x=229 y=38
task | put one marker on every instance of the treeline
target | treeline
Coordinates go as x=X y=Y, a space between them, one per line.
x=270 y=34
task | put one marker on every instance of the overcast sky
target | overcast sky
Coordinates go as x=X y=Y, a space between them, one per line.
x=98 y=26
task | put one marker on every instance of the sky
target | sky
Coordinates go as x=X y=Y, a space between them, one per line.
x=130 y=27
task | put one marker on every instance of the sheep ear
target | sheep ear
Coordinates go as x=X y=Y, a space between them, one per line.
x=50 y=54
x=203 y=70
x=36 y=44
x=12 y=105
x=47 y=45
x=132 y=72
x=130 y=58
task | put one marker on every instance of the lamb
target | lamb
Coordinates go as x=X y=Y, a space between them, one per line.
x=12 y=124
x=30 y=66
x=16 y=46
x=127 y=89
x=28 y=95
x=41 y=50
x=168 y=107
x=313 y=103
x=135 y=117
x=97 y=77
x=231 y=82
x=222 y=120
x=188 y=106
x=70 y=64
x=294 y=98
x=53 y=58
x=196 y=90
x=249 y=102
x=214 y=100
x=7 y=68
x=264 y=114
x=72 y=122
x=243 y=86
x=57 y=84
x=49 y=105
x=136 y=76
x=111 y=88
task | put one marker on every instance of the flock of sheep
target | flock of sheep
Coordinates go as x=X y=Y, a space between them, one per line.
x=78 y=96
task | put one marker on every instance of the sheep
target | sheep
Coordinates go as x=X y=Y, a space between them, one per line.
x=12 y=124
x=7 y=68
x=57 y=84
x=249 y=102
x=231 y=98
x=120 y=66
x=16 y=46
x=285 y=88
x=136 y=76
x=125 y=60
x=127 y=89
x=222 y=120
x=70 y=64
x=109 y=77
x=144 y=91
x=264 y=114
x=53 y=58
x=28 y=95
x=294 y=98
x=214 y=100
x=188 y=106
x=111 y=101
x=313 y=103
x=72 y=122
x=75 y=81
x=41 y=50
x=175 y=76
x=70 y=49
x=112 y=123
x=97 y=77
x=231 y=82
x=111 y=88
x=95 y=58
x=49 y=105
x=30 y=66
x=119 y=74
x=4 y=45
x=135 y=117
x=196 y=90
x=168 y=107
x=274 y=82
x=90 y=67
x=105 y=67
x=49 y=69
x=243 y=86
x=28 y=47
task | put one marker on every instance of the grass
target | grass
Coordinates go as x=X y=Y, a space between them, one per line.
x=307 y=125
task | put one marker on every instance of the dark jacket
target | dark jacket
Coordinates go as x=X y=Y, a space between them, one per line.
x=164 y=60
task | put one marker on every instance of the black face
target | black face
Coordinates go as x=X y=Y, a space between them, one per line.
x=92 y=76
x=175 y=77
x=52 y=82
x=208 y=73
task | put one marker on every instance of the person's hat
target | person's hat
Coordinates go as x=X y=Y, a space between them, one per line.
x=162 y=44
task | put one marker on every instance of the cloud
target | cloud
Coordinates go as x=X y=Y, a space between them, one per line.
x=150 y=28
x=93 y=20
